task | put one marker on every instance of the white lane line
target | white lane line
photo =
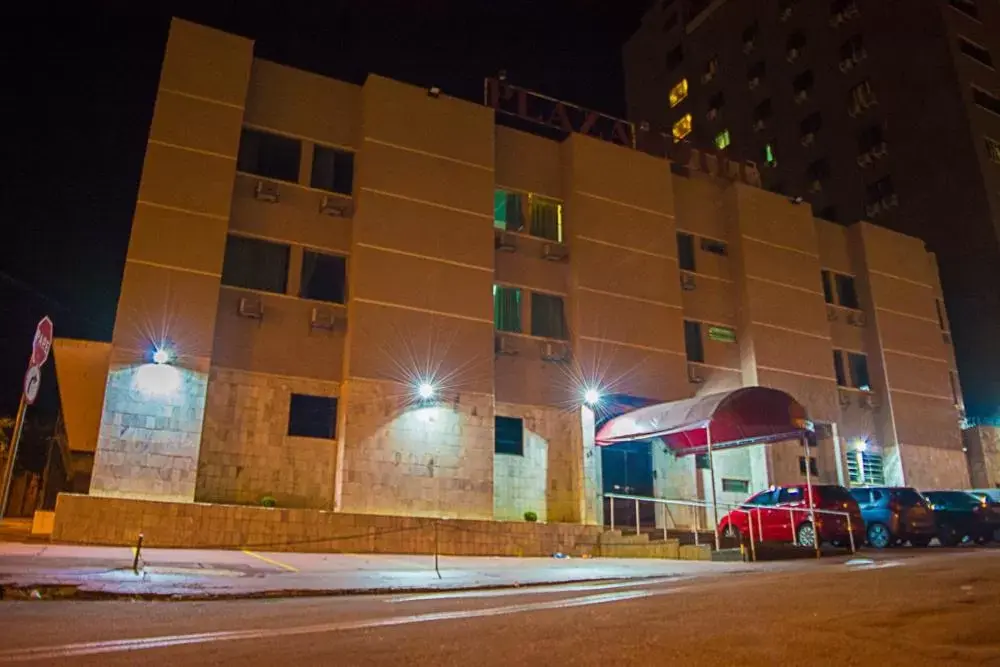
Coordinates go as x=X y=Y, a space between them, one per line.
x=167 y=641
x=859 y=564
x=532 y=590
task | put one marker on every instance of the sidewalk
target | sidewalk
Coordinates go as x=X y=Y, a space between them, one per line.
x=52 y=570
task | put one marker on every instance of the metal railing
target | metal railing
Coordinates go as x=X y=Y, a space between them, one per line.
x=754 y=537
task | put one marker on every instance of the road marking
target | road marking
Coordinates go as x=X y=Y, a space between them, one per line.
x=532 y=590
x=858 y=564
x=284 y=566
x=167 y=641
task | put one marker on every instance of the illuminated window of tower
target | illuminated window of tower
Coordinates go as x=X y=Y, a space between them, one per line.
x=678 y=93
x=682 y=127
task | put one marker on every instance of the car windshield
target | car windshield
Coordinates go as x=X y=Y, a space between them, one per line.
x=956 y=499
x=907 y=497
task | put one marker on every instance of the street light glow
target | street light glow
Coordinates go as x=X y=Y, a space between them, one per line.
x=591 y=397
x=162 y=356
x=425 y=391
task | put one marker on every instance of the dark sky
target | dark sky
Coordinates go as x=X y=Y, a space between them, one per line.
x=77 y=95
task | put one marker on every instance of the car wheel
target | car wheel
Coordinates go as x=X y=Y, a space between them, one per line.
x=879 y=536
x=730 y=531
x=920 y=541
x=806 y=535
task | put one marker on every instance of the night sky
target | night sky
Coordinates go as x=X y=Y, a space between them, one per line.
x=77 y=99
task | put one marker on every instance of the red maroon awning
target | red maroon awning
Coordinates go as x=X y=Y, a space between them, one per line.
x=745 y=416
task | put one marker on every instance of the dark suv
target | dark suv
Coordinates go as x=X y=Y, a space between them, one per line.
x=894 y=515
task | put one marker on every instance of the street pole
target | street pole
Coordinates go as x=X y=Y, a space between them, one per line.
x=15 y=439
x=711 y=476
x=809 y=494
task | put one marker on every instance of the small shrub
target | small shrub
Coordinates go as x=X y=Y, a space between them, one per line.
x=268 y=501
x=530 y=516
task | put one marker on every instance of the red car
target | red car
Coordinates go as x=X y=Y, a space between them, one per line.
x=781 y=514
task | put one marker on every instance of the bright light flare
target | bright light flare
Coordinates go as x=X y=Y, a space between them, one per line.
x=162 y=356
x=591 y=397
x=426 y=391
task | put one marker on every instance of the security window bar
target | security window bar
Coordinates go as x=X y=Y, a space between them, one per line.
x=508 y=436
x=332 y=170
x=548 y=317
x=324 y=277
x=693 y=342
x=255 y=264
x=865 y=468
x=507 y=309
x=312 y=416
x=269 y=155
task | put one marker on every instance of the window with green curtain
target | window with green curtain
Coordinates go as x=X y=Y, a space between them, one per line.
x=508 y=210
x=546 y=218
x=548 y=317
x=507 y=308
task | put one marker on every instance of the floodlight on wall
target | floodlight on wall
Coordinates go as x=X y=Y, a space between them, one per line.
x=860 y=444
x=434 y=92
x=162 y=355
x=592 y=397
x=425 y=391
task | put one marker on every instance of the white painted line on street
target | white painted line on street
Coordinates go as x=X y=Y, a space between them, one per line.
x=532 y=590
x=859 y=564
x=168 y=641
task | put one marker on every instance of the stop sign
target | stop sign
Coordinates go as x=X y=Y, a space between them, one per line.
x=42 y=343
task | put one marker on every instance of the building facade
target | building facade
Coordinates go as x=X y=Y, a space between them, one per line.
x=375 y=299
x=877 y=110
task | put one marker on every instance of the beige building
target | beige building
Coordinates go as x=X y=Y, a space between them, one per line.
x=378 y=300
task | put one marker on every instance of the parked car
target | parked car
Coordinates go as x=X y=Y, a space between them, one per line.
x=894 y=515
x=781 y=514
x=990 y=498
x=960 y=515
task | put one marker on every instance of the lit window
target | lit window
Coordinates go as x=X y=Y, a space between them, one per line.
x=993 y=149
x=507 y=308
x=682 y=127
x=545 y=218
x=769 y=156
x=678 y=93
x=722 y=140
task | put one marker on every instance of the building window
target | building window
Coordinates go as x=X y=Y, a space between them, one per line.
x=545 y=216
x=685 y=251
x=986 y=100
x=813 y=466
x=967 y=7
x=323 y=277
x=857 y=364
x=828 y=213
x=827 y=279
x=810 y=125
x=794 y=45
x=678 y=93
x=682 y=127
x=332 y=170
x=312 y=416
x=735 y=485
x=865 y=467
x=992 y=149
x=714 y=247
x=722 y=140
x=838 y=368
x=817 y=172
x=692 y=341
x=548 y=317
x=269 y=155
x=750 y=37
x=755 y=74
x=675 y=57
x=976 y=52
x=508 y=210
x=862 y=97
x=769 y=156
x=715 y=104
x=711 y=69
x=803 y=83
x=507 y=308
x=852 y=52
x=847 y=294
x=879 y=192
x=871 y=138
x=255 y=264
x=508 y=436
x=762 y=113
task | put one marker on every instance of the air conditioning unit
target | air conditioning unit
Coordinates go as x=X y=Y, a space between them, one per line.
x=251 y=306
x=857 y=318
x=785 y=14
x=707 y=77
x=890 y=201
x=554 y=351
x=695 y=374
x=946 y=337
x=881 y=149
x=555 y=252
x=323 y=318
x=753 y=83
x=873 y=209
x=687 y=282
x=808 y=139
x=836 y=19
x=712 y=114
x=831 y=314
x=266 y=192
x=337 y=207
x=865 y=160
x=816 y=186
x=844 y=396
x=793 y=55
x=801 y=96
x=758 y=125
x=505 y=241
x=846 y=65
x=504 y=345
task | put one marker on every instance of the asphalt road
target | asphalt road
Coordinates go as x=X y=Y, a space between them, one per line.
x=908 y=607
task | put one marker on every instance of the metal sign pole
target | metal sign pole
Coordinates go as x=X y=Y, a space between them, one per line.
x=15 y=439
x=711 y=476
x=809 y=493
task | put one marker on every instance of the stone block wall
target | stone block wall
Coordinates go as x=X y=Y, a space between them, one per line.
x=520 y=482
x=934 y=468
x=150 y=433
x=983 y=446
x=118 y=521
x=246 y=452
x=401 y=457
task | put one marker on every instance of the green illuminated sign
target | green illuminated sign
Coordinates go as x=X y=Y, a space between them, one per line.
x=722 y=334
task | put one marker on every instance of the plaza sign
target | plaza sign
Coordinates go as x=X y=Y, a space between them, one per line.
x=537 y=108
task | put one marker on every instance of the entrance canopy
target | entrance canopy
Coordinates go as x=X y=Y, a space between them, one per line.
x=745 y=416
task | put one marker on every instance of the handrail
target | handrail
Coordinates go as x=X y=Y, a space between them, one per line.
x=740 y=507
